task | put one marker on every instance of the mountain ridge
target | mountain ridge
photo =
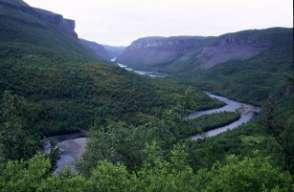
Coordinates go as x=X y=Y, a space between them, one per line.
x=169 y=53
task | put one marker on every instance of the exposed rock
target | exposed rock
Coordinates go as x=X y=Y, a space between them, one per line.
x=48 y=18
x=192 y=53
x=152 y=51
x=230 y=47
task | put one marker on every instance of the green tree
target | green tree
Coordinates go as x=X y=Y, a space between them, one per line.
x=250 y=174
x=24 y=176
x=18 y=136
x=107 y=177
x=66 y=181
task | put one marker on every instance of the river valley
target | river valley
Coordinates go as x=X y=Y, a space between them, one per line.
x=72 y=146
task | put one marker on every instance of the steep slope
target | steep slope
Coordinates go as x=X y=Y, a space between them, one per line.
x=24 y=27
x=253 y=79
x=97 y=49
x=180 y=54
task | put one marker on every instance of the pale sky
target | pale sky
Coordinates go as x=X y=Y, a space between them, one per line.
x=119 y=22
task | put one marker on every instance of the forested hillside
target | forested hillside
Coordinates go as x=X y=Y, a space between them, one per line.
x=253 y=79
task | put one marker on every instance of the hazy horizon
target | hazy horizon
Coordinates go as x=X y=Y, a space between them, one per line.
x=118 y=23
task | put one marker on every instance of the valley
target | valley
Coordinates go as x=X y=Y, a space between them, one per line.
x=193 y=113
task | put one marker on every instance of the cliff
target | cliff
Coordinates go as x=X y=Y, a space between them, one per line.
x=154 y=51
x=33 y=30
x=20 y=11
x=174 y=54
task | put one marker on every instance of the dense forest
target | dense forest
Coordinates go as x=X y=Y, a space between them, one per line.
x=51 y=84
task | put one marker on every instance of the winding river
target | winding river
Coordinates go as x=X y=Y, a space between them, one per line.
x=72 y=146
x=247 y=112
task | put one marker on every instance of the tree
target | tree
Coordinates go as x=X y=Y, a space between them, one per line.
x=250 y=174
x=25 y=176
x=54 y=154
x=18 y=138
x=107 y=177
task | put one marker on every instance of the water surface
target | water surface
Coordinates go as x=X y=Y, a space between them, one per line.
x=247 y=112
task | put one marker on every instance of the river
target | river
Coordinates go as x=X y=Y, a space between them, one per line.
x=151 y=74
x=72 y=146
x=247 y=112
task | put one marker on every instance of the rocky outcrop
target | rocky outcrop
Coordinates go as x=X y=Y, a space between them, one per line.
x=192 y=53
x=231 y=47
x=61 y=24
x=152 y=51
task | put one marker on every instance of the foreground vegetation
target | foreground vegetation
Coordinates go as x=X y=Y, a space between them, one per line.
x=174 y=174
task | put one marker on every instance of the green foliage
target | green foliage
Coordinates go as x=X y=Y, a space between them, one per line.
x=119 y=142
x=24 y=176
x=54 y=154
x=18 y=128
x=248 y=174
x=206 y=123
x=279 y=122
x=107 y=178
x=246 y=141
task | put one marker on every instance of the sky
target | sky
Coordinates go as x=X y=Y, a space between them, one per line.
x=119 y=22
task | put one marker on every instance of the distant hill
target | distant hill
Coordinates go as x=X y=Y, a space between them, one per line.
x=179 y=54
x=249 y=65
x=156 y=53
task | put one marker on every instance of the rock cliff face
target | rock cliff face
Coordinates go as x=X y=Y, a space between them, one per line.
x=192 y=53
x=66 y=25
x=48 y=18
x=228 y=47
x=153 y=51
x=39 y=30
